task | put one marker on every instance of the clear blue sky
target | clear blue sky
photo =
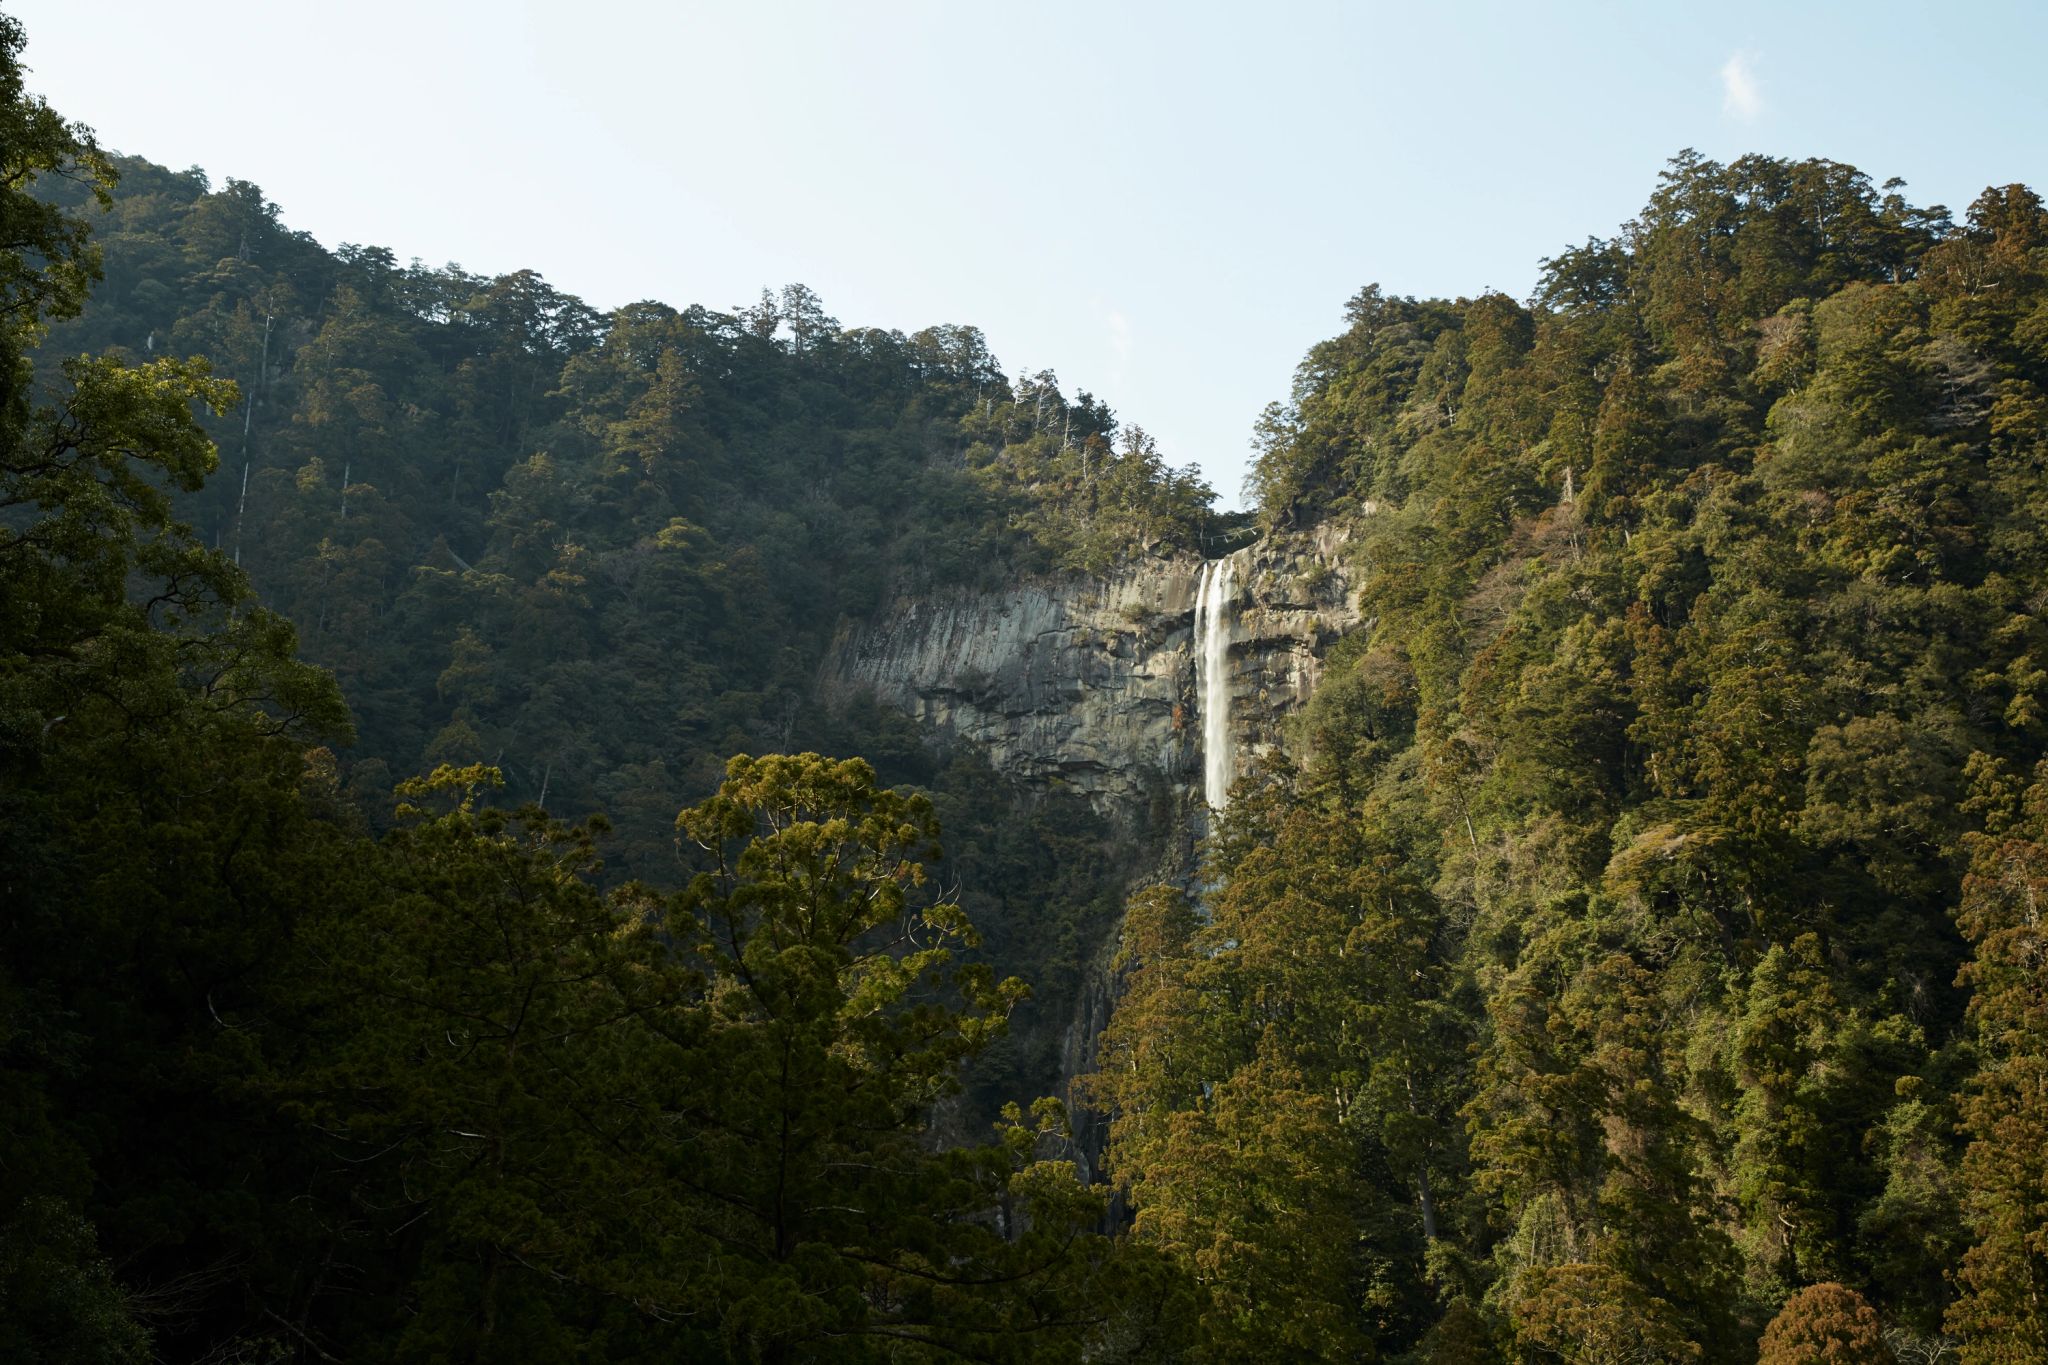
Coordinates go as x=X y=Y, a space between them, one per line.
x=1164 y=203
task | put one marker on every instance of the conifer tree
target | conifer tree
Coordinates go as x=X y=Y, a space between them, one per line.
x=2002 y=1312
x=1824 y=1323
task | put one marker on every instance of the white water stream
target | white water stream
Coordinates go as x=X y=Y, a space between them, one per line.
x=1215 y=616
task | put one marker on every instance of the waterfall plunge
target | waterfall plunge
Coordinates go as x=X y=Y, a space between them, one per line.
x=1215 y=614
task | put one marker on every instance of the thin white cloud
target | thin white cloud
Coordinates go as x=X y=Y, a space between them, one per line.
x=1741 y=96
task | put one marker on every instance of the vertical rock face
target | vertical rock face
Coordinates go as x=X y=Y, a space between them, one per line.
x=1094 y=681
x=1098 y=683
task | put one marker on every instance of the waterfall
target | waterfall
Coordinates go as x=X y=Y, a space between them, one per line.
x=1215 y=604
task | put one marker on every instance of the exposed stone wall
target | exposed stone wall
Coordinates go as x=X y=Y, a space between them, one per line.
x=1091 y=681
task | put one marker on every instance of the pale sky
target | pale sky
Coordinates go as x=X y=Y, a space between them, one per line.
x=1164 y=203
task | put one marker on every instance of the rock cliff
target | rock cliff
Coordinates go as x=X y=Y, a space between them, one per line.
x=1097 y=683
x=1092 y=682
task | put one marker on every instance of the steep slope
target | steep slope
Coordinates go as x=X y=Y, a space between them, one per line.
x=600 y=552
x=603 y=553
x=1097 y=687
x=1596 y=972
x=1630 y=935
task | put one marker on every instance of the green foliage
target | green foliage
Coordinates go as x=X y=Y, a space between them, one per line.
x=1824 y=1322
x=59 y=1304
x=48 y=262
x=2002 y=1311
x=1275 y=1075
x=1704 y=655
x=619 y=1125
x=274 y=1087
x=1084 y=502
x=1641 y=948
x=152 y=723
x=489 y=1040
x=1590 y=1315
x=600 y=553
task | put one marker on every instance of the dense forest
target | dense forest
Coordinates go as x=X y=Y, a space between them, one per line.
x=1636 y=954
x=1643 y=943
x=296 y=1070
x=602 y=554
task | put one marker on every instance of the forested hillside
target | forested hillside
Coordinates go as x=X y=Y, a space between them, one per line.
x=288 y=1072
x=600 y=552
x=1635 y=955
x=1644 y=939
